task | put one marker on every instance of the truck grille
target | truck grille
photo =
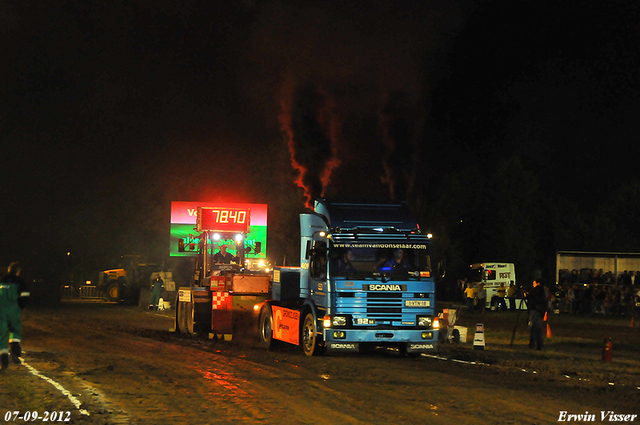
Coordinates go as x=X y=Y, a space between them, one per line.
x=379 y=306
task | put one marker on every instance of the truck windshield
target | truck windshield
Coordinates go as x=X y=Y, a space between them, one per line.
x=475 y=274
x=362 y=259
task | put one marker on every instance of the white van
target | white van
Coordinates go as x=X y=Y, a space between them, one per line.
x=492 y=275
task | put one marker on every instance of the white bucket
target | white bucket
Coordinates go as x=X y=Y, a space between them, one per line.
x=463 y=333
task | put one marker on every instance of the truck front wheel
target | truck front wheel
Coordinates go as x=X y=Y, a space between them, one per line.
x=311 y=342
x=113 y=291
x=266 y=328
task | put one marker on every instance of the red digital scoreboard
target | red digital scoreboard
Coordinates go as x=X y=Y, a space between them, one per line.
x=218 y=219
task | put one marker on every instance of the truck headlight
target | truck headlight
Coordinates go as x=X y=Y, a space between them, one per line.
x=339 y=321
x=425 y=321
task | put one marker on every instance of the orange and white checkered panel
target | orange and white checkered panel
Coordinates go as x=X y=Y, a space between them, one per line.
x=221 y=301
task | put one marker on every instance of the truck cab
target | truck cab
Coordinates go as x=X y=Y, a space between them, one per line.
x=495 y=277
x=365 y=279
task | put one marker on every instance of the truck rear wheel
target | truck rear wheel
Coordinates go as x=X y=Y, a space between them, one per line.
x=184 y=317
x=187 y=313
x=181 y=320
x=311 y=342
x=266 y=328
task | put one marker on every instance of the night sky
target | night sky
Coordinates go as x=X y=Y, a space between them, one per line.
x=111 y=110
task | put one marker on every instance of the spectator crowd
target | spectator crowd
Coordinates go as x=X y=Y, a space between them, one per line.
x=593 y=291
x=587 y=292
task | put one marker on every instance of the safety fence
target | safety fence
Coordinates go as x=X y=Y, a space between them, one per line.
x=83 y=292
x=90 y=292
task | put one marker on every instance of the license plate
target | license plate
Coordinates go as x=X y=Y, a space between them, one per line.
x=417 y=303
x=364 y=322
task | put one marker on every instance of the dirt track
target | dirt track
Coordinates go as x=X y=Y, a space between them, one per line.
x=125 y=367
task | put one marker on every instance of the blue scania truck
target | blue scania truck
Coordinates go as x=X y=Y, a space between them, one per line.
x=365 y=280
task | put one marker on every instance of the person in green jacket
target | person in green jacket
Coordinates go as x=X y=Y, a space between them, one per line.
x=13 y=294
x=156 y=292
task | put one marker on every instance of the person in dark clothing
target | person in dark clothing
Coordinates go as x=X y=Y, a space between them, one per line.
x=223 y=256
x=587 y=300
x=397 y=263
x=343 y=265
x=13 y=294
x=511 y=295
x=537 y=303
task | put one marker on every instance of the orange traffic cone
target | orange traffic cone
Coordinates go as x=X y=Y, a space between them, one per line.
x=548 y=327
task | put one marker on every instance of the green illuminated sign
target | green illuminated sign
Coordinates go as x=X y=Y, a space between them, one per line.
x=185 y=239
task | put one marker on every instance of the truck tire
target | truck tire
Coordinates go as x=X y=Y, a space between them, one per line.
x=266 y=327
x=187 y=312
x=181 y=323
x=312 y=344
x=113 y=291
x=184 y=317
x=495 y=303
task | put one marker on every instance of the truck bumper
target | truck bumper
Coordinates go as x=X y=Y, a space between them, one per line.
x=415 y=340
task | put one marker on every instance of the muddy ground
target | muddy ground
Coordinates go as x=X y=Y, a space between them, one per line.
x=122 y=365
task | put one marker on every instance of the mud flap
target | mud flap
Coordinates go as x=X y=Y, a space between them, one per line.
x=221 y=313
